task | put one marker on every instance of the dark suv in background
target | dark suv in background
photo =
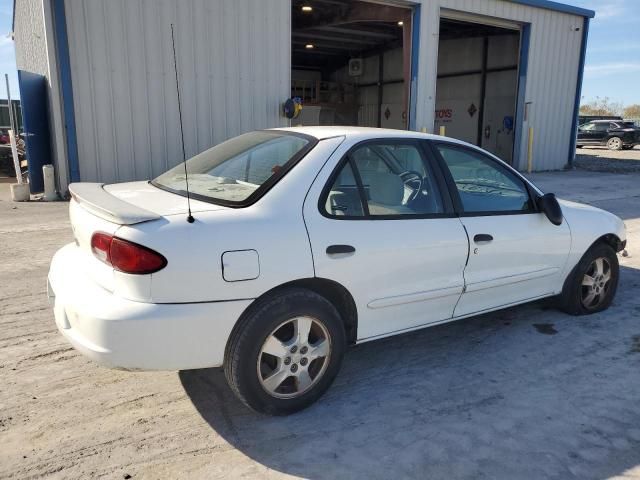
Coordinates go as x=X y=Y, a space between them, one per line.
x=616 y=135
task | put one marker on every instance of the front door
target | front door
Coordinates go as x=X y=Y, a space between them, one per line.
x=379 y=226
x=516 y=253
x=592 y=133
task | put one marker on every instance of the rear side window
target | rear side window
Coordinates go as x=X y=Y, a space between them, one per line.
x=483 y=185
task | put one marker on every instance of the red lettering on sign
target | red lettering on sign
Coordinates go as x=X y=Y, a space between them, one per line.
x=444 y=113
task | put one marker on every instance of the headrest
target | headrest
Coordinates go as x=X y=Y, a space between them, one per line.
x=385 y=188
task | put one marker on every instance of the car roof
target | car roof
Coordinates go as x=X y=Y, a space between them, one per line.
x=365 y=133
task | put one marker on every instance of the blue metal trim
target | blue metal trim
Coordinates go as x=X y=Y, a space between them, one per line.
x=576 y=107
x=523 y=68
x=64 y=62
x=415 y=48
x=557 y=7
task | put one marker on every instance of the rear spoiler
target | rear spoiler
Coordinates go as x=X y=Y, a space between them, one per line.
x=94 y=198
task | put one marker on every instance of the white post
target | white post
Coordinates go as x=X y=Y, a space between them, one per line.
x=9 y=105
x=14 y=154
x=49 y=183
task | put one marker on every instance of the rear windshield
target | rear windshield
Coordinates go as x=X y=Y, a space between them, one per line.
x=240 y=170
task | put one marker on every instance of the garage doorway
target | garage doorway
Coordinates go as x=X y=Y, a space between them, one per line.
x=477 y=86
x=351 y=63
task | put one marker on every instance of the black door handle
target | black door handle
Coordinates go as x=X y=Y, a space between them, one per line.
x=336 y=249
x=482 y=238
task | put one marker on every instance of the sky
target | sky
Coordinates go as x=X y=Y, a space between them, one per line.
x=7 y=55
x=613 y=52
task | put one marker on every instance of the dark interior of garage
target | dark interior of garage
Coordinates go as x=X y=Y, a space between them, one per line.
x=351 y=63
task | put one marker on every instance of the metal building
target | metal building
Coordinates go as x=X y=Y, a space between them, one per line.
x=486 y=70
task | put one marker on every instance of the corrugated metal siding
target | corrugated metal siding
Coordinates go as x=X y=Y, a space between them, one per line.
x=551 y=82
x=234 y=63
x=234 y=60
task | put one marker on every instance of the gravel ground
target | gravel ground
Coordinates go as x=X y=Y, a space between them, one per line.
x=601 y=159
x=524 y=393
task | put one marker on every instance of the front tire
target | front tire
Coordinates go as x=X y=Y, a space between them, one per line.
x=285 y=353
x=614 y=143
x=592 y=285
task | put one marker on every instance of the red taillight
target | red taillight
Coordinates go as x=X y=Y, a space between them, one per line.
x=126 y=256
x=100 y=246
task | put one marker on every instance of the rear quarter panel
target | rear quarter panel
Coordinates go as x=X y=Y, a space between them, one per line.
x=273 y=227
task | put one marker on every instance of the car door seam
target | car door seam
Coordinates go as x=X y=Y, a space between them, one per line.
x=304 y=201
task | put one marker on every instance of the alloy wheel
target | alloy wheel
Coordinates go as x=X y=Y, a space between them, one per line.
x=294 y=357
x=615 y=143
x=596 y=283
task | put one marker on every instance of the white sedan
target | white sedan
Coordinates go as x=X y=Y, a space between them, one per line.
x=306 y=240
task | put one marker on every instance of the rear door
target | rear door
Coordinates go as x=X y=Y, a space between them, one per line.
x=601 y=132
x=379 y=225
x=516 y=253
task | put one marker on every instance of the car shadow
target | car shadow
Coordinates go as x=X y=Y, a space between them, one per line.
x=527 y=392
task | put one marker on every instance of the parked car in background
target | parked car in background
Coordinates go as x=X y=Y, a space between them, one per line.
x=4 y=136
x=307 y=240
x=616 y=135
x=582 y=119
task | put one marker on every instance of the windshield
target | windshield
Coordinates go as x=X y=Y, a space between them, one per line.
x=239 y=170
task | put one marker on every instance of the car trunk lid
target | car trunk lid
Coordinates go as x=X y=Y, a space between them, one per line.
x=133 y=202
x=94 y=198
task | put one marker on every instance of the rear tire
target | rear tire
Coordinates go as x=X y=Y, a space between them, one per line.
x=592 y=284
x=285 y=353
x=614 y=143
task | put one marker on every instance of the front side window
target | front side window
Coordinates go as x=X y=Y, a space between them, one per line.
x=235 y=171
x=391 y=179
x=483 y=185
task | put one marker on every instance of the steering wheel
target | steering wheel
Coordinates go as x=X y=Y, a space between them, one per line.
x=413 y=180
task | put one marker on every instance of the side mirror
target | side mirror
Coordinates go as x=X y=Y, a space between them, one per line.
x=549 y=205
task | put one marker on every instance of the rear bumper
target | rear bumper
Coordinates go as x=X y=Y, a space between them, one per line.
x=121 y=333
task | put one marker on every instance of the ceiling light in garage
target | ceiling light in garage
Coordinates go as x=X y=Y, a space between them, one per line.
x=307 y=8
x=401 y=23
x=309 y=45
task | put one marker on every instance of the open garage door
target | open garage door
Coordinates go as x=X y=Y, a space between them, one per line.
x=351 y=63
x=478 y=84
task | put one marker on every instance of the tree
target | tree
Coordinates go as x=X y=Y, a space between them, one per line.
x=632 y=111
x=601 y=106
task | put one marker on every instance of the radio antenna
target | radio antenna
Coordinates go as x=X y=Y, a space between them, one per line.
x=190 y=218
